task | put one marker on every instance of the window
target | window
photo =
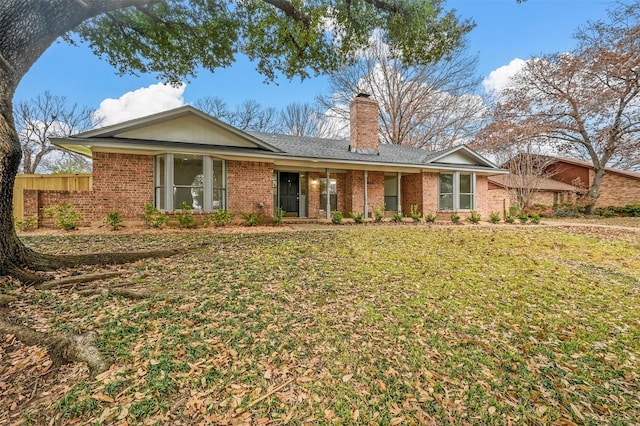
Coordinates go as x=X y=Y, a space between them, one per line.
x=391 y=192
x=199 y=181
x=456 y=191
x=333 y=194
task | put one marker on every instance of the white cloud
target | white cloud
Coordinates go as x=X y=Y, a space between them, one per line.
x=498 y=79
x=138 y=103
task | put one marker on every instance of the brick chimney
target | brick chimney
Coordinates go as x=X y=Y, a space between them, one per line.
x=364 y=125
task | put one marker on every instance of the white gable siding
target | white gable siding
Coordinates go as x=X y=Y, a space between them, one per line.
x=188 y=129
x=458 y=157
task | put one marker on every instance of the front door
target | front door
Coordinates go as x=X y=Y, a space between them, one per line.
x=289 y=193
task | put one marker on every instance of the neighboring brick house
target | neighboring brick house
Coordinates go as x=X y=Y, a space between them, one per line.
x=185 y=155
x=515 y=189
x=567 y=179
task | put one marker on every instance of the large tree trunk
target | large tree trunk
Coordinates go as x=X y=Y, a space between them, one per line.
x=27 y=29
x=594 y=190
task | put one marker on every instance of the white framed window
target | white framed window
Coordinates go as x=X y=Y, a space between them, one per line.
x=456 y=191
x=197 y=180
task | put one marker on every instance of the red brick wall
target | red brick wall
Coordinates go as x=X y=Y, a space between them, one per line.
x=482 y=193
x=618 y=190
x=364 y=123
x=122 y=182
x=411 y=192
x=313 y=199
x=498 y=200
x=354 y=191
x=250 y=183
x=375 y=190
x=569 y=173
x=36 y=200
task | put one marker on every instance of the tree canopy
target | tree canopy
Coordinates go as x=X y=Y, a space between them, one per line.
x=585 y=103
x=173 y=38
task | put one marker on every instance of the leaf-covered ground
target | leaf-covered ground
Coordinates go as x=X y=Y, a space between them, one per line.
x=358 y=325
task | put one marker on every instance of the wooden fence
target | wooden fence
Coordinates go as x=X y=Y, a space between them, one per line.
x=60 y=182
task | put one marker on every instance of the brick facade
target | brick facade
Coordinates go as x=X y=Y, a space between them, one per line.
x=250 y=187
x=354 y=194
x=618 y=190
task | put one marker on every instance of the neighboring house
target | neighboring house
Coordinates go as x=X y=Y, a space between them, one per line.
x=531 y=190
x=185 y=155
x=565 y=180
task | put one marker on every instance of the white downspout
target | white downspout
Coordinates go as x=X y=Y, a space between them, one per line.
x=366 y=195
x=399 y=192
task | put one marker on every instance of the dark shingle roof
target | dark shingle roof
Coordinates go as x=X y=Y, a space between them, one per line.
x=334 y=149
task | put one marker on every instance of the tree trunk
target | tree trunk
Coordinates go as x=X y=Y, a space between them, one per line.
x=594 y=190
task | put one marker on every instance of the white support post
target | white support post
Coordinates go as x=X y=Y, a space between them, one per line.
x=399 y=192
x=328 y=206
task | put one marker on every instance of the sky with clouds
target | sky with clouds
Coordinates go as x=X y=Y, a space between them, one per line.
x=507 y=33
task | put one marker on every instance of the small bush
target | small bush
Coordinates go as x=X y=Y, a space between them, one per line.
x=220 y=217
x=632 y=210
x=523 y=217
x=509 y=219
x=494 y=217
x=153 y=217
x=114 y=220
x=397 y=217
x=567 y=210
x=26 y=225
x=415 y=214
x=474 y=217
x=278 y=216
x=455 y=218
x=378 y=214
x=357 y=217
x=336 y=217
x=184 y=216
x=250 y=218
x=535 y=218
x=430 y=218
x=66 y=216
x=513 y=210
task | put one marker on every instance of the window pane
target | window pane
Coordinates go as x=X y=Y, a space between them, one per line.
x=446 y=183
x=466 y=202
x=188 y=180
x=465 y=184
x=390 y=186
x=391 y=203
x=445 y=202
x=218 y=175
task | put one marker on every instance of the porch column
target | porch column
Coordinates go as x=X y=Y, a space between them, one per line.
x=328 y=206
x=366 y=195
x=399 y=192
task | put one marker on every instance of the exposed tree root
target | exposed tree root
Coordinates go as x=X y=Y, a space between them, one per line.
x=27 y=277
x=75 y=279
x=50 y=262
x=62 y=349
x=103 y=291
x=5 y=299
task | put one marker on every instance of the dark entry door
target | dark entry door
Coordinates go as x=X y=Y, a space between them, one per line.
x=289 y=192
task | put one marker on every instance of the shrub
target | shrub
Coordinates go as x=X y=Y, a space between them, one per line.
x=250 y=218
x=220 y=217
x=474 y=217
x=455 y=218
x=114 y=220
x=28 y=224
x=535 y=218
x=567 y=210
x=336 y=217
x=513 y=210
x=397 y=216
x=378 y=214
x=494 y=217
x=153 y=217
x=278 y=216
x=430 y=218
x=66 y=216
x=357 y=217
x=523 y=217
x=184 y=216
x=415 y=214
x=632 y=210
x=509 y=219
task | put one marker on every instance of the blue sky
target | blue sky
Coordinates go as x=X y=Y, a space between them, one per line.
x=505 y=30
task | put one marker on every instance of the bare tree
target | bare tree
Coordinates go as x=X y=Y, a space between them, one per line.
x=429 y=106
x=587 y=102
x=249 y=115
x=42 y=118
x=299 y=119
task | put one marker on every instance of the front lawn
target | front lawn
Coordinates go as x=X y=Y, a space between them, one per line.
x=358 y=325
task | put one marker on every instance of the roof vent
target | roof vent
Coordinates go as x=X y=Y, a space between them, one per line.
x=363 y=95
